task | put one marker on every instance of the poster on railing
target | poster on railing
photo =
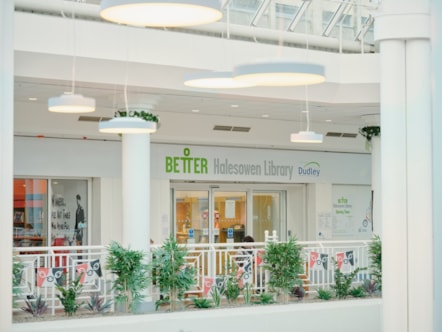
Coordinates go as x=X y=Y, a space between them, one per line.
x=208 y=283
x=48 y=277
x=259 y=257
x=89 y=271
x=318 y=261
x=345 y=261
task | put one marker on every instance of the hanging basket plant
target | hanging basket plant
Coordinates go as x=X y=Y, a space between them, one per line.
x=138 y=113
x=369 y=132
x=131 y=121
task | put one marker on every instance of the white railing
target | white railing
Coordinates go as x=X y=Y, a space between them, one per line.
x=43 y=265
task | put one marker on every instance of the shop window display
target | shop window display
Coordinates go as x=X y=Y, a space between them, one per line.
x=58 y=221
x=30 y=211
x=69 y=224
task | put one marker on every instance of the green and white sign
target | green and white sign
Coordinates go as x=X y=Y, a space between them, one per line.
x=260 y=165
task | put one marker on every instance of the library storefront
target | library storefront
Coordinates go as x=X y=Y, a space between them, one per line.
x=201 y=194
x=223 y=194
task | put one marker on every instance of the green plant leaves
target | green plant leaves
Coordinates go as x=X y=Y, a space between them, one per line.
x=375 y=256
x=36 y=307
x=68 y=296
x=171 y=272
x=285 y=263
x=146 y=116
x=132 y=274
x=369 y=131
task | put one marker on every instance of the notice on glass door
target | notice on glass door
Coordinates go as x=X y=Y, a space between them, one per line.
x=230 y=209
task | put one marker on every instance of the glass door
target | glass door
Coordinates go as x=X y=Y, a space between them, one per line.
x=230 y=215
x=268 y=212
x=210 y=216
x=191 y=216
x=223 y=213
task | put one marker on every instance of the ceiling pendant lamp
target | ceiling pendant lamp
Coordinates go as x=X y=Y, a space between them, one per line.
x=161 y=13
x=127 y=125
x=279 y=73
x=69 y=102
x=130 y=121
x=214 y=80
x=306 y=136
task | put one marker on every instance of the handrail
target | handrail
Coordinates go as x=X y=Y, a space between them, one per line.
x=208 y=259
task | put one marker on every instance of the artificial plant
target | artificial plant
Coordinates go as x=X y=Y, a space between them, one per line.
x=131 y=275
x=232 y=283
x=172 y=273
x=369 y=132
x=68 y=296
x=285 y=263
x=142 y=114
x=375 y=256
x=344 y=281
x=98 y=303
x=36 y=307
x=17 y=271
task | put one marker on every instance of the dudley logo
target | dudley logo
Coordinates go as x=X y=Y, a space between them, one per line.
x=311 y=168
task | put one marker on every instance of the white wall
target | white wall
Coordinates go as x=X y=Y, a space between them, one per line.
x=161 y=210
x=107 y=212
x=334 y=316
x=66 y=157
x=319 y=203
x=296 y=214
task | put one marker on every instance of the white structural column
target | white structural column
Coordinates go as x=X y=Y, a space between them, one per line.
x=376 y=184
x=419 y=186
x=436 y=38
x=372 y=121
x=136 y=191
x=393 y=178
x=402 y=30
x=6 y=158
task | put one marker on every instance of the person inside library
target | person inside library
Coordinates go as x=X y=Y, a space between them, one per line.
x=80 y=222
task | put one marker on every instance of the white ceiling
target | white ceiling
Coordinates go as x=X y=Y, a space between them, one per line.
x=43 y=69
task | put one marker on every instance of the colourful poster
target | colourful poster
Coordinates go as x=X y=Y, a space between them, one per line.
x=345 y=261
x=318 y=261
x=48 y=277
x=89 y=271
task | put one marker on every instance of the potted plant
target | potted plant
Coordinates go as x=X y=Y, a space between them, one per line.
x=232 y=283
x=369 y=132
x=375 y=255
x=344 y=281
x=132 y=275
x=285 y=263
x=36 y=307
x=17 y=272
x=68 y=296
x=171 y=273
x=139 y=114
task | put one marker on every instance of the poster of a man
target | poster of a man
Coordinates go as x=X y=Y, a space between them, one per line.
x=80 y=222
